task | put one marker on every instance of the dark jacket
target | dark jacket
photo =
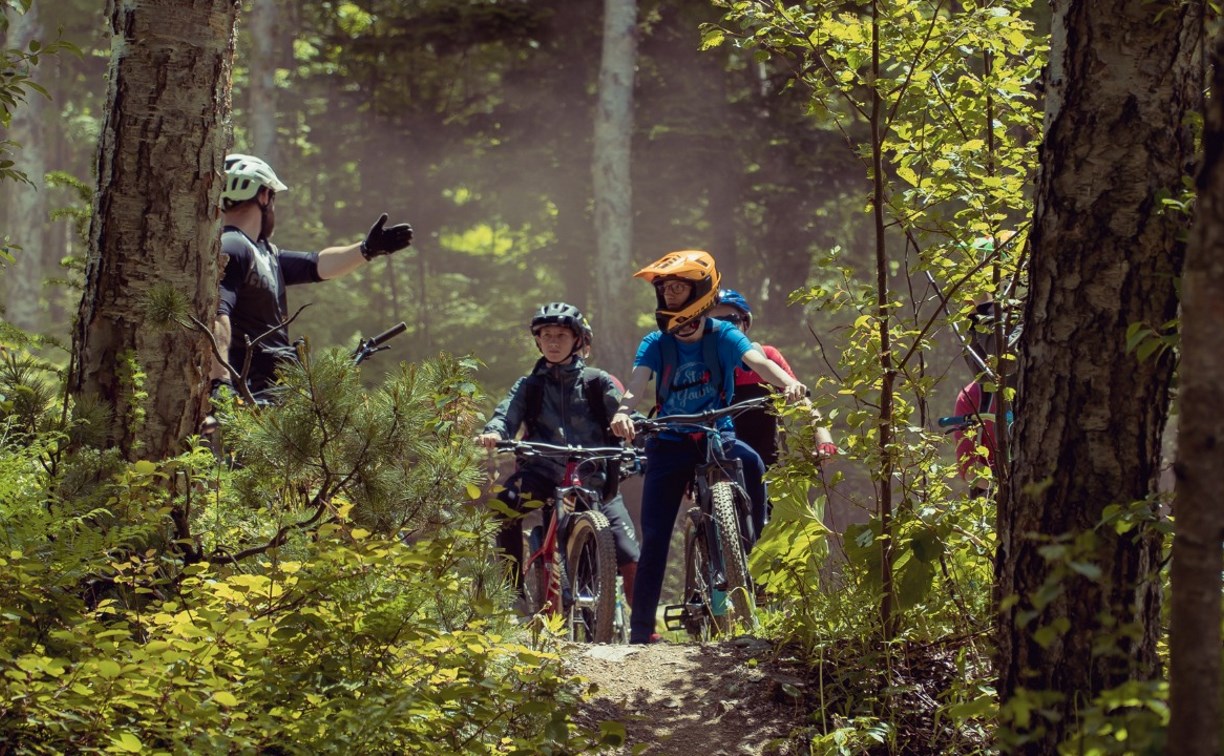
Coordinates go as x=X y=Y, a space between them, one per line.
x=565 y=413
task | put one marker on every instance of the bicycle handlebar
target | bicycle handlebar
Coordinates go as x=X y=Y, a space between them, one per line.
x=389 y=334
x=577 y=453
x=700 y=419
x=957 y=421
x=367 y=347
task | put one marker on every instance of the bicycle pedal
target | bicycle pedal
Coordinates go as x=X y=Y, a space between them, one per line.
x=675 y=617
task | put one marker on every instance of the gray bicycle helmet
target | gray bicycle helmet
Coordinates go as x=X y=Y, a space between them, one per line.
x=559 y=314
x=244 y=176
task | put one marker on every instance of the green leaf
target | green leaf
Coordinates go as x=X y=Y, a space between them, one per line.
x=144 y=467
x=225 y=698
x=611 y=734
x=127 y=742
x=915 y=583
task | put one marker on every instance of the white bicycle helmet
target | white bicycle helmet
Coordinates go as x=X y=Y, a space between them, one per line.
x=244 y=175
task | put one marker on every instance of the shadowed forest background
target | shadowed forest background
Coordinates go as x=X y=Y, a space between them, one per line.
x=475 y=122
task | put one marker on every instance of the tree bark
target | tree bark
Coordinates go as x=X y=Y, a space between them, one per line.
x=265 y=22
x=612 y=184
x=1194 y=635
x=1105 y=254
x=154 y=232
x=27 y=206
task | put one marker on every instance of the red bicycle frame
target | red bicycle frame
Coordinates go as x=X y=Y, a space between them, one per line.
x=547 y=557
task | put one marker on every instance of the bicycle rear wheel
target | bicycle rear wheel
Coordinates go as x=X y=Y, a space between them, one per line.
x=731 y=543
x=620 y=617
x=702 y=617
x=591 y=562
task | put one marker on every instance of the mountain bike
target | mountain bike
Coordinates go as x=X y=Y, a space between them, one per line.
x=717 y=588
x=569 y=562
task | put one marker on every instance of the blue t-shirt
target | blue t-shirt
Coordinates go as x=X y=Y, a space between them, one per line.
x=690 y=390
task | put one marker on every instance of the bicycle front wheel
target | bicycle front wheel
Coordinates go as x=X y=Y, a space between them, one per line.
x=535 y=576
x=731 y=544
x=591 y=562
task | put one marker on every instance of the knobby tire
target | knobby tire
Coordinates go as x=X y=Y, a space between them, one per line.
x=739 y=593
x=535 y=577
x=591 y=557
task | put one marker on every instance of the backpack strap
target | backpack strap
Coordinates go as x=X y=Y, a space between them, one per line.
x=533 y=396
x=669 y=352
x=595 y=389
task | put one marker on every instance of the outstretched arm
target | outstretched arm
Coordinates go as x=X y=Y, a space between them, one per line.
x=336 y=261
x=769 y=370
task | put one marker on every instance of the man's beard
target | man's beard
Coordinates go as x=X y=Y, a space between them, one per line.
x=267 y=222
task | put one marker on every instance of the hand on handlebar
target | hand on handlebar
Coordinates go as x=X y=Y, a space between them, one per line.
x=796 y=392
x=488 y=440
x=622 y=426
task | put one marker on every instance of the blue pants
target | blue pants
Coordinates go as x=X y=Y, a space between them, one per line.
x=669 y=468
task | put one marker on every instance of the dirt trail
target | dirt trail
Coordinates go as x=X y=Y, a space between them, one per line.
x=733 y=697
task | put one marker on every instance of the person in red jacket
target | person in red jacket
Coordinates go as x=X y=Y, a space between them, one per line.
x=976 y=407
x=759 y=428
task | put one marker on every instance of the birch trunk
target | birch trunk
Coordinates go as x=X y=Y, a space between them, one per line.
x=612 y=185
x=154 y=233
x=27 y=207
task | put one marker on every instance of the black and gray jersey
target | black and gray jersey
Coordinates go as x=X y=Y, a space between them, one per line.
x=253 y=296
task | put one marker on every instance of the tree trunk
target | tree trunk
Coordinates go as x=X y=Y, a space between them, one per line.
x=154 y=234
x=613 y=189
x=265 y=21
x=27 y=205
x=1194 y=635
x=1122 y=79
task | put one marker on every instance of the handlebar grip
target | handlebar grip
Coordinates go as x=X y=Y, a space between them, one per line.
x=389 y=334
x=952 y=420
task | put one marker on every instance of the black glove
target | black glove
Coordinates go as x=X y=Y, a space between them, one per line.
x=384 y=241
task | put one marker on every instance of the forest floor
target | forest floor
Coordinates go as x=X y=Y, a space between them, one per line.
x=733 y=697
x=747 y=696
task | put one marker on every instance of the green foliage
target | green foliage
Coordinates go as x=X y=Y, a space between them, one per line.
x=390 y=452
x=937 y=104
x=1129 y=719
x=334 y=593
x=945 y=92
x=1146 y=342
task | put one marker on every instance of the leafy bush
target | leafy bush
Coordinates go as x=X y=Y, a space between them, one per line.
x=334 y=592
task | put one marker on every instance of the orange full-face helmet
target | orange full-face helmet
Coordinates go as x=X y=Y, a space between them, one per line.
x=691 y=265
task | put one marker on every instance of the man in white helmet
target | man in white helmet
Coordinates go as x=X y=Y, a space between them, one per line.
x=256 y=271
